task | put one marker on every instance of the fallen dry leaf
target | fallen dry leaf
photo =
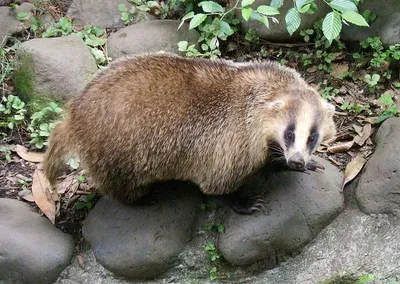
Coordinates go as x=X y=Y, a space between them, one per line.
x=29 y=156
x=341 y=147
x=353 y=168
x=365 y=134
x=312 y=69
x=339 y=69
x=41 y=190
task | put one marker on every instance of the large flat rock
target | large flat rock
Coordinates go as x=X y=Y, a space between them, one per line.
x=298 y=206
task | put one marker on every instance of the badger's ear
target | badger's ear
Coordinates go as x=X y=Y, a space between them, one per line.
x=275 y=105
x=330 y=108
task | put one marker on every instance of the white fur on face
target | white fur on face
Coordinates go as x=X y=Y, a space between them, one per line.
x=304 y=122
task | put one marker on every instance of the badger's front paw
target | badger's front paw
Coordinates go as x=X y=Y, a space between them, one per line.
x=315 y=166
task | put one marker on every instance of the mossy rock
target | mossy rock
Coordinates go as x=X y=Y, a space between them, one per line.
x=52 y=70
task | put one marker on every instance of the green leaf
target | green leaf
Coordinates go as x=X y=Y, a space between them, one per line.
x=267 y=10
x=44 y=133
x=355 y=18
x=44 y=126
x=182 y=45
x=305 y=9
x=247 y=2
x=246 y=13
x=211 y=7
x=225 y=28
x=39 y=144
x=292 y=20
x=276 y=3
x=197 y=20
x=331 y=26
x=22 y=16
x=366 y=278
x=343 y=5
x=301 y=3
x=122 y=8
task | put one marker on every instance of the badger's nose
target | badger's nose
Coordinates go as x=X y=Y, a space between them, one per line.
x=296 y=161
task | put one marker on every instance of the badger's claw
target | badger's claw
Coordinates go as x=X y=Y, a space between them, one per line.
x=315 y=166
x=244 y=206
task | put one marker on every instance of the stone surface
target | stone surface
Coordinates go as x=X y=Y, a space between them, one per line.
x=8 y=19
x=143 y=241
x=378 y=190
x=151 y=36
x=278 y=32
x=354 y=244
x=53 y=69
x=386 y=25
x=102 y=13
x=32 y=250
x=299 y=207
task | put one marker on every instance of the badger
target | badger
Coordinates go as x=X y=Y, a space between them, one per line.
x=159 y=116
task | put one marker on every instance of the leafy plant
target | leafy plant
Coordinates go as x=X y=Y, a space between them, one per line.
x=63 y=27
x=353 y=107
x=42 y=124
x=24 y=183
x=94 y=38
x=219 y=228
x=372 y=81
x=389 y=107
x=214 y=255
x=6 y=151
x=13 y=110
x=328 y=92
x=88 y=202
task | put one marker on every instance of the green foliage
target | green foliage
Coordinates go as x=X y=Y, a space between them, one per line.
x=42 y=124
x=160 y=9
x=372 y=81
x=328 y=92
x=74 y=162
x=63 y=27
x=94 y=38
x=389 y=108
x=88 y=203
x=214 y=256
x=23 y=183
x=81 y=179
x=6 y=151
x=353 y=107
x=13 y=112
x=219 y=228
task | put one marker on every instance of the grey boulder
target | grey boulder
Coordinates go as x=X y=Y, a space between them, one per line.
x=52 y=69
x=103 y=13
x=378 y=189
x=151 y=36
x=142 y=242
x=299 y=206
x=386 y=25
x=32 y=250
x=9 y=23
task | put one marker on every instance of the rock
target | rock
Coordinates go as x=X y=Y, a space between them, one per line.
x=142 y=241
x=278 y=32
x=103 y=13
x=151 y=36
x=299 y=206
x=32 y=250
x=52 y=69
x=378 y=190
x=8 y=19
x=386 y=25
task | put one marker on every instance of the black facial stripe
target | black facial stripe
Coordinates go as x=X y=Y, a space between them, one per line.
x=313 y=138
x=289 y=135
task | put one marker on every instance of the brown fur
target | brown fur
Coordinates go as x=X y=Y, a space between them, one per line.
x=160 y=117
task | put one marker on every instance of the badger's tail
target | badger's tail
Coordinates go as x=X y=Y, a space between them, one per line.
x=60 y=147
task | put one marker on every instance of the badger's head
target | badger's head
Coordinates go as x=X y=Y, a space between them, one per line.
x=301 y=121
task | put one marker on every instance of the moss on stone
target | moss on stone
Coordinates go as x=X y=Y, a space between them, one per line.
x=25 y=81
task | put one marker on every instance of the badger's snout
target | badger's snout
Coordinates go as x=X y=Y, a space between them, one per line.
x=296 y=161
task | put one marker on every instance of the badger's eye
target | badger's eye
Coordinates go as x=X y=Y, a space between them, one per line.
x=289 y=135
x=313 y=137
